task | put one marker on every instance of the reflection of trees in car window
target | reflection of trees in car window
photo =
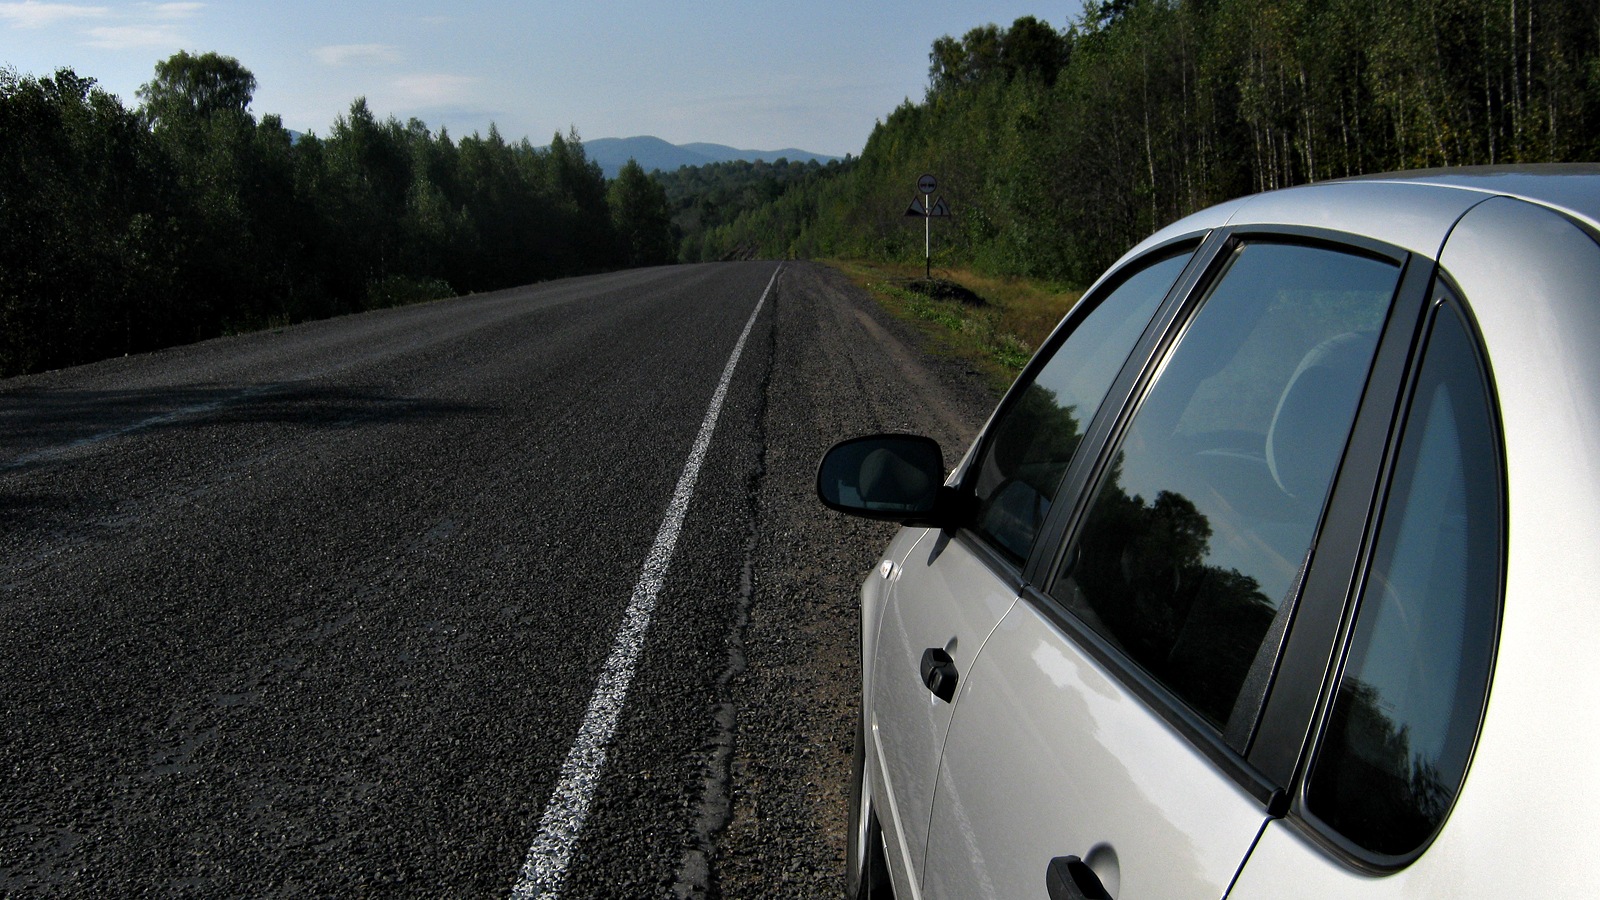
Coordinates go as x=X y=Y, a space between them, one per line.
x=1032 y=441
x=1391 y=796
x=1198 y=534
x=1038 y=438
x=1033 y=445
x=1186 y=622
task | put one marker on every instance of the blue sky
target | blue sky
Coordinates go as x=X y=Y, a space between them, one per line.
x=756 y=75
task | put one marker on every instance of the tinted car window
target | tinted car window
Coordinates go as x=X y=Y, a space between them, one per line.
x=1199 y=530
x=1406 y=714
x=1033 y=439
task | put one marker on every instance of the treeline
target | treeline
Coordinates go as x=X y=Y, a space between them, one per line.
x=126 y=230
x=705 y=201
x=1059 y=149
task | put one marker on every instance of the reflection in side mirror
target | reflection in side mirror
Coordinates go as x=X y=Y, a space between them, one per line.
x=888 y=476
x=1014 y=514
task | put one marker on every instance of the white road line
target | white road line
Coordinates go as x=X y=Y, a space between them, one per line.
x=545 y=869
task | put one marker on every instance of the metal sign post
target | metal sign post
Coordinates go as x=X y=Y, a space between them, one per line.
x=927 y=184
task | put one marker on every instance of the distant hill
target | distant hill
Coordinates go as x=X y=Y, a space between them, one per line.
x=655 y=153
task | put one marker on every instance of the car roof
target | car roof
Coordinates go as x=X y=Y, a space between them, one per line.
x=1572 y=188
x=1414 y=210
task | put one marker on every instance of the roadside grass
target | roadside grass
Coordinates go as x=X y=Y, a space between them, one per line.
x=994 y=323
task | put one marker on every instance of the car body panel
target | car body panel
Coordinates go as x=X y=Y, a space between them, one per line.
x=875 y=592
x=1569 y=188
x=945 y=595
x=1049 y=755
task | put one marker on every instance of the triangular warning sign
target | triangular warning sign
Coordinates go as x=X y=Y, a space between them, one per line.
x=917 y=209
x=941 y=209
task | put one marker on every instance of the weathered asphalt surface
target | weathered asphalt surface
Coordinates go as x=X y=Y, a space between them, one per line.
x=318 y=612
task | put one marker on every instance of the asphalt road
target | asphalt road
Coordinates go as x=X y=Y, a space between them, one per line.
x=322 y=611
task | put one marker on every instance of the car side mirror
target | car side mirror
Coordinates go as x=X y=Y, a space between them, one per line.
x=895 y=477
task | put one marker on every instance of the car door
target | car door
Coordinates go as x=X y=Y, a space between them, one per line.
x=1099 y=744
x=953 y=586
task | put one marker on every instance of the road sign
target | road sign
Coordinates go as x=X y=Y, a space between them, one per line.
x=919 y=209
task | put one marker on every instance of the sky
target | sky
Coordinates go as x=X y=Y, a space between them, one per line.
x=812 y=75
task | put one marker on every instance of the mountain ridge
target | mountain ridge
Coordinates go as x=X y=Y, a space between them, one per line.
x=653 y=153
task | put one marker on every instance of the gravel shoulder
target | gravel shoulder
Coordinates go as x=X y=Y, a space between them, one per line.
x=846 y=368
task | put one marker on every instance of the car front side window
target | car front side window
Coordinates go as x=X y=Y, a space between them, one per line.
x=1204 y=520
x=1033 y=439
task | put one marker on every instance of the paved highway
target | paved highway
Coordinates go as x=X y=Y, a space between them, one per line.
x=520 y=594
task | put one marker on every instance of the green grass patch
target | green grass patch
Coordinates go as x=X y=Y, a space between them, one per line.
x=994 y=323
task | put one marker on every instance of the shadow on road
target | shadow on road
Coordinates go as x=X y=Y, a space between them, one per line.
x=43 y=431
x=38 y=426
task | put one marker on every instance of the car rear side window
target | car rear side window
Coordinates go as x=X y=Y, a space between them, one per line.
x=1033 y=439
x=1405 y=718
x=1200 y=529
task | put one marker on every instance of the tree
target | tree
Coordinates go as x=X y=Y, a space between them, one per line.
x=197 y=107
x=370 y=167
x=639 y=214
x=583 y=215
x=1031 y=49
x=87 y=257
x=123 y=231
x=190 y=88
x=974 y=58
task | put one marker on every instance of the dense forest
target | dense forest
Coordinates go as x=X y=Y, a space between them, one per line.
x=125 y=230
x=1058 y=150
x=706 y=200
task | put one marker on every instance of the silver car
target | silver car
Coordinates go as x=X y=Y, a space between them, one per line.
x=1276 y=573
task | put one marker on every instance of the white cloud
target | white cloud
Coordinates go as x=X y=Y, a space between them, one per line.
x=429 y=89
x=32 y=14
x=132 y=37
x=356 y=54
x=173 y=10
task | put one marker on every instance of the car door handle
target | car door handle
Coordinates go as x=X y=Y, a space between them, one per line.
x=1070 y=878
x=939 y=673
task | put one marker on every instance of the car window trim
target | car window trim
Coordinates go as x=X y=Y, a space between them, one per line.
x=1292 y=703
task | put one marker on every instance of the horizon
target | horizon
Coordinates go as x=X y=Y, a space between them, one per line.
x=761 y=76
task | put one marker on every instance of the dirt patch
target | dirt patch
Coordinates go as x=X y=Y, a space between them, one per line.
x=941 y=289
